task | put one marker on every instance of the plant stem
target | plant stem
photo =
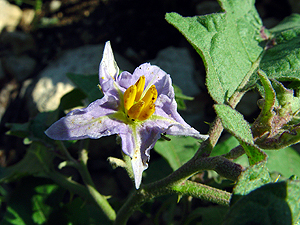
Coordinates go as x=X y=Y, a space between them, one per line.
x=235 y=153
x=176 y=183
x=203 y=192
x=81 y=166
x=71 y=185
x=100 y=199
x=214 y=135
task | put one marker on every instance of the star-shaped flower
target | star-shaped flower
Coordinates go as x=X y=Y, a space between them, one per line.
x=139 y=107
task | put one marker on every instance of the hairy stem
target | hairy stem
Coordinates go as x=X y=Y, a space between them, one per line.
x=203 y=192
x=235 y=153
x=176 y=183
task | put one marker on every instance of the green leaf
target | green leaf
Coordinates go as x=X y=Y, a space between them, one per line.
x=282 y=61
x=228 y=42
x=253 y=177
x=180 y=97
x=211 y=215
x=158 y=169
x=285 y=161
x=35 y=128
x=88 y=84
x=21 y=130
x=72 y=99
x=79 y=212
x=254 y=153
x=289 y=23
x=235 y=123
x=32 y=202
x=177 y=151
x=263 y=122
x=37 y=160
x=274 y=203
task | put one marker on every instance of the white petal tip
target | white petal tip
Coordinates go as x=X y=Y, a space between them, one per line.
x=138 y=167
x=108 y=60
x=204 y=137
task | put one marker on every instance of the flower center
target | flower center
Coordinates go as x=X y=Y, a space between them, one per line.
x=137 y=104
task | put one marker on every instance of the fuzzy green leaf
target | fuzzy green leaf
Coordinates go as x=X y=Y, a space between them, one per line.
x=235 y=123
x=253 y=177
x=228 y=43
x=180 y=97
x=273 y=203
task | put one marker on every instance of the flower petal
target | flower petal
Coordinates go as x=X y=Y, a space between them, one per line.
x=155 y=75
x=137 y=142
x=108 y=69
x=173 y=124
x=95 y=121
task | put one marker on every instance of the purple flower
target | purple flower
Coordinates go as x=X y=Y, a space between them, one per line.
x=139 y=107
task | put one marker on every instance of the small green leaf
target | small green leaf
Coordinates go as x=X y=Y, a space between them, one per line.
x=289 y=104
x=158 y=169
x=253 y=177
x=254 y=153
x=289 y=23
x=88 y=84
x=72 y=99
x=263 y=123
x=180 y=97
x=235 y=123
x=32 y=202
x=18 y=129
x=210 y=215
x=177 y=151
x=35 y=128
x=37 y=160
x=79 y=212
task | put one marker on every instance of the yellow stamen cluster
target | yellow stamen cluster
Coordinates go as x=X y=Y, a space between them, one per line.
x=137 y=107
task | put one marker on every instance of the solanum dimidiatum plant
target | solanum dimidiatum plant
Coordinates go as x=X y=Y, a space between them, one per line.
x=239 y=55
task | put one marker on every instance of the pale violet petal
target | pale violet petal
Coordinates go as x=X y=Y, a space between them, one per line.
x=137 y=142
x=167 y=107
x=155 y=75
x=94 y=121
x=128 y=141
x=169 y=125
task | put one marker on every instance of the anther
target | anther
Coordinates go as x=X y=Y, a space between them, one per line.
x=129 y=97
